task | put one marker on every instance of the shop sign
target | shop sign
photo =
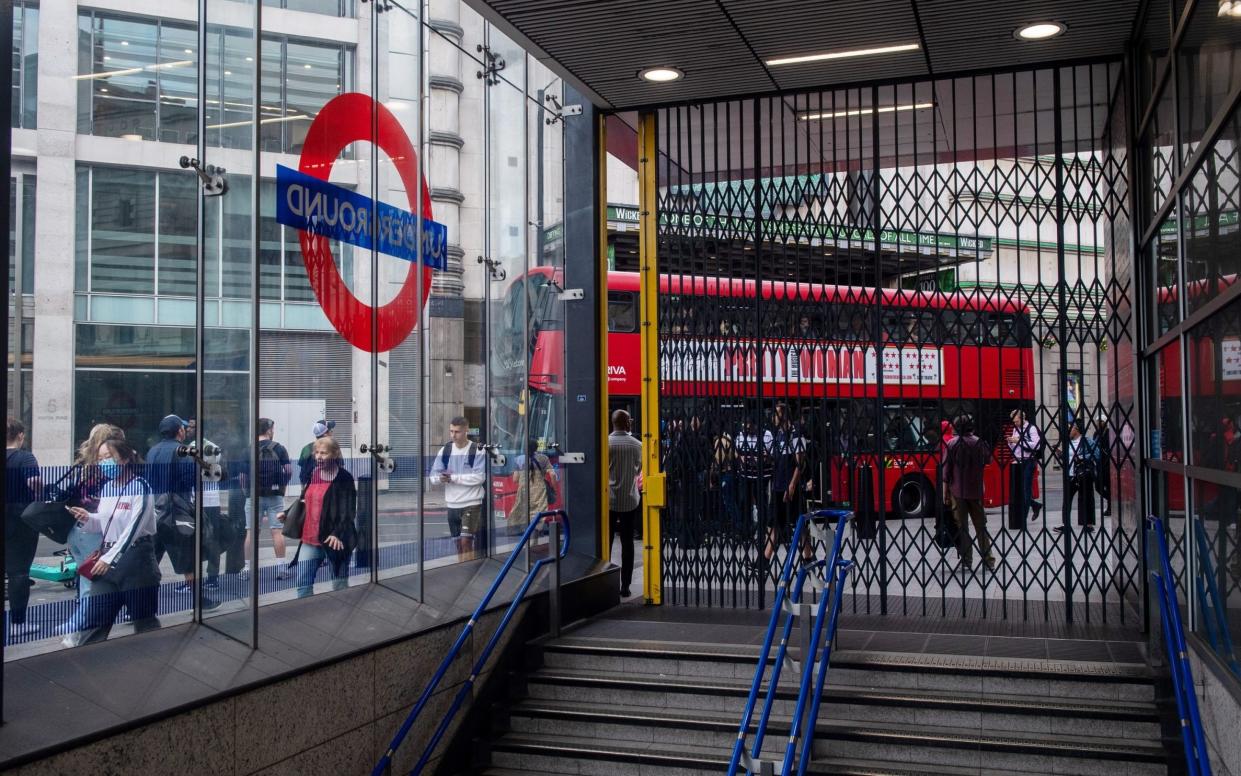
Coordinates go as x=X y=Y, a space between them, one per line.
x=322 y=211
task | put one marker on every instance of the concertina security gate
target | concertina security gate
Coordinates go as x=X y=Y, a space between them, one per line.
x=877 y=260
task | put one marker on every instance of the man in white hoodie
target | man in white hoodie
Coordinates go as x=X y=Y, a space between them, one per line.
x=461 y=466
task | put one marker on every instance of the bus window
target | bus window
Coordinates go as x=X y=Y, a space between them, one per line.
x=622 y=312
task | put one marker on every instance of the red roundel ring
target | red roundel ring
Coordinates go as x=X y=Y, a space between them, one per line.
x=346 y=119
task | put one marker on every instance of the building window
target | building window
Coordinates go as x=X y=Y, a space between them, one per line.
x=474 y=332
x=137 y=79
x=21 y=231
x=25 y=65
x=327 y=7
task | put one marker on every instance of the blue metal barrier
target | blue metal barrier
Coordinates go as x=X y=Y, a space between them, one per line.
x=1197 y=758
x=786 y=600
x=561 y=518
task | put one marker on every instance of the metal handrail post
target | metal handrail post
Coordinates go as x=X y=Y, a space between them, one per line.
x=553 y=591
x=386 y=760
x=807 y=747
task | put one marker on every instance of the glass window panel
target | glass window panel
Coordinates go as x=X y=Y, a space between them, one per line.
x=30 y=68
x=1218 y=569
x=1214 y=355
x=235 y=240
x=1159 y=151
x=178 y=84
x=29 y=186
x=122 y=234
x=122 y=78
x=1209 y=68
x=269 y=243
x=1210 y=205
x=1164 y=376
x=312 y=78
x=1166 y=292
x=230 y=100
x=178 y=222
x=16 y=80
x=271 y=113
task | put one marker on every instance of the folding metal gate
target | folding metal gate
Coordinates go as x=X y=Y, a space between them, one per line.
x=844 y=271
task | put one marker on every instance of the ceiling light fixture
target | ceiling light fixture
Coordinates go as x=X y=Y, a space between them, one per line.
x=661 y=75
x=866 y=52
x=849 y=113
x=1230 y=8
x=1040 y=31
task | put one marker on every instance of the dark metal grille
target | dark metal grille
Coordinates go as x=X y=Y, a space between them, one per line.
x=845 y=270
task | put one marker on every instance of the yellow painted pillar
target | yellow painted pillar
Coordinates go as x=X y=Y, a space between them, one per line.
x=653 y=478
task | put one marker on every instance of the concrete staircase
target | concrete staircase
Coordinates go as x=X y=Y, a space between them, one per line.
x=596 y=704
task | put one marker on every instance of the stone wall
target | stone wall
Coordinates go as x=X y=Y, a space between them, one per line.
x=338 y=719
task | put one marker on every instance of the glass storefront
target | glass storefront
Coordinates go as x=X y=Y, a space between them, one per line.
x=257 y=266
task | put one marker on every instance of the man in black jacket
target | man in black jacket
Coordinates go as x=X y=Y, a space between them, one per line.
x=172 y=478
x=964 y=463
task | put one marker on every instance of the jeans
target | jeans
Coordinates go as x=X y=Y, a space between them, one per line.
x=81 y=543
x=1027 y=487
x=20 y=546
x=310 y=557
x=623 y=524
x=132 y=583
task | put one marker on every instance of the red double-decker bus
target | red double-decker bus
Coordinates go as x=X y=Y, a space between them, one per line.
x=829 y=366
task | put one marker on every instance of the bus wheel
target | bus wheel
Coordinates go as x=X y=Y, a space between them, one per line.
x=913 y=498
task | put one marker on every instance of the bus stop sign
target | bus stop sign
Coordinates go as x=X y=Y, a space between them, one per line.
x=323 y=211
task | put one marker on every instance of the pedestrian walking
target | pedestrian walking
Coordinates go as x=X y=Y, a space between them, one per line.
x=624 y=500
x=964 y=463
x=23 y=484
x=124 y=572
x=461 y=467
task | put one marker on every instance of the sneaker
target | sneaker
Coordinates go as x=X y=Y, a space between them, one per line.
x=211 y=584
x=210 y=604
x=625 y=592
x=989 y=562
x=184 y=587
x=18 y=630
x=244 y=574
x=1036 y=509
x=283 y=572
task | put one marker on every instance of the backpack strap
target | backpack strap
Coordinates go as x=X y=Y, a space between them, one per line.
x=444 y=454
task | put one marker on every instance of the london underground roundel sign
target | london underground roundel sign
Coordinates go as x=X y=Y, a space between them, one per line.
x=322 y=211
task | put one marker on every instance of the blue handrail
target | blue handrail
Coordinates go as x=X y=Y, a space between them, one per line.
x=784 y=591
x=1197 y=758
x=842 y=571
x=562 y=518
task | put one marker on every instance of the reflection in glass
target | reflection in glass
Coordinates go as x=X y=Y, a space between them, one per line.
x=1164 y=373
x=1218 y=565
x=1210 y=226
x=25 y=65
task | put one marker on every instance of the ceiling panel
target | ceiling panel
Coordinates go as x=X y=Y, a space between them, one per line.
x=722 y=45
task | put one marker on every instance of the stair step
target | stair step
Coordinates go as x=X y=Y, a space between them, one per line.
x=949 y=673
x=560 y=754
x=665 y=727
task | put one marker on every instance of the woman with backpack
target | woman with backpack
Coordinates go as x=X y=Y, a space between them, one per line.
x=536 y=488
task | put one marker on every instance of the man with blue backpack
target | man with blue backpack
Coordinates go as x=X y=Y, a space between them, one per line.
x=461 y=467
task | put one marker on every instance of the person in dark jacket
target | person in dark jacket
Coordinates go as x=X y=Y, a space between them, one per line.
x=172 y=478
x=964 y=463
x=330 y=504
x=1081 y=463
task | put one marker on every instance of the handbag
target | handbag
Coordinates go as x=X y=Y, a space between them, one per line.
x=294 y=520
x=86 y=569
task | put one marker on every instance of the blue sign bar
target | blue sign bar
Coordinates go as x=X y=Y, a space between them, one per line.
x=308 y=203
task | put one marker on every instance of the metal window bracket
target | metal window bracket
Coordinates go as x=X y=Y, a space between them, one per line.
x=572 y=458
x=571 y=295
x=493 y=64
x=496 y=457
x=494 y=267
x=212 y=177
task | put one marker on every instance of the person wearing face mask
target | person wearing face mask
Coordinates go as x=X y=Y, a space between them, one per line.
x=125 y=573
x=329 y=506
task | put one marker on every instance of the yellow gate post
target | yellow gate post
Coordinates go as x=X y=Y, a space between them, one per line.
x=653 y=479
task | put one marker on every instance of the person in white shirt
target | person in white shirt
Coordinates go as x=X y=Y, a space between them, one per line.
x=125 y=573
x=1024 y=443
x=461 y=467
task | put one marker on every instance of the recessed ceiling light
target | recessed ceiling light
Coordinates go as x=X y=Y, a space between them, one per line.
x=866 y=52
x=1229 y=8
x=306 y=66
x=189 y=51
x=131 y=137
x=661 y=75
x=124 y=43
x=1040 y=31
x=850 y=112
